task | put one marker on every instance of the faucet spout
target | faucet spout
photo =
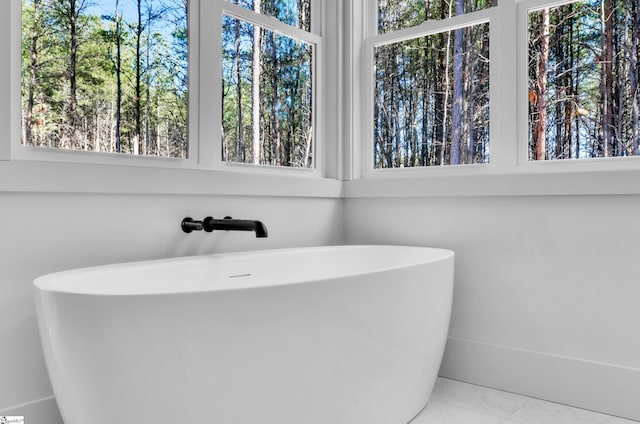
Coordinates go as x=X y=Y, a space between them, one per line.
x=229 y=224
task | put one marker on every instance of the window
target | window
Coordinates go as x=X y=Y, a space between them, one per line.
x=431 y=66
x=584 y=64
x=268 y=89
x=201 y=83
x=106 y=76
x=564 y=85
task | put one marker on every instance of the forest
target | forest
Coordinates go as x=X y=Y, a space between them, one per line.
x=106 y=76
x=112 y=76
x=584 y=66
x=431 y=92
x=268 y=88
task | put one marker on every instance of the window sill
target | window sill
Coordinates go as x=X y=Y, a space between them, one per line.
x=22 y=176
x=51 y=177
x=521 y=183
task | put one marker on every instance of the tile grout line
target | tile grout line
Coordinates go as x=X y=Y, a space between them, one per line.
x=22 y=405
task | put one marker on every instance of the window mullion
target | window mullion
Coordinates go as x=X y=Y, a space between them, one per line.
x=193 y=135
x=354 y=83
x=317 y=12
x=10 y=72
x=504 y=90
x=433 y=27
x=370 y=12
x=522 y=57
x=209 y=116
x=269 y=23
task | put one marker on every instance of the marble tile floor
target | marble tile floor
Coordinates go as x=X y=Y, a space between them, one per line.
x=454 y=402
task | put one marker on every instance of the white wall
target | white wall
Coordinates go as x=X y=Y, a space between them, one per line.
x=43 y=233
x=547 y=289
x=546 y=299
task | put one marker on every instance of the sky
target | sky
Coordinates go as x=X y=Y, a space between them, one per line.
x=128 y=8
x=129 y=12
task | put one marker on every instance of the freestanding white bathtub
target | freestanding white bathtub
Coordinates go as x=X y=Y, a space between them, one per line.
x=328 y=335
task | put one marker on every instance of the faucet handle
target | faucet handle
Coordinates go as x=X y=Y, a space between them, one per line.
x=189 y=224
x=207 y=223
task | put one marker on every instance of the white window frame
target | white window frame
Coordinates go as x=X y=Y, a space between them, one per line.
x=210 y=59
x=205 y=97
x=568 y=165
x=509 y=148
x=372 y=40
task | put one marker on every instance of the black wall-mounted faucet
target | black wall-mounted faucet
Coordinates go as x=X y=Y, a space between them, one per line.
x=210 y=224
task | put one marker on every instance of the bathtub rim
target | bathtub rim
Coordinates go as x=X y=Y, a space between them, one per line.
x=53 y=283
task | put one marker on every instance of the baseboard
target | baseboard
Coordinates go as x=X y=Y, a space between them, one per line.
x=595 y=386
x=41 y=411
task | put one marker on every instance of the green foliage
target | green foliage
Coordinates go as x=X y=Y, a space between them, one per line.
x=49 y=72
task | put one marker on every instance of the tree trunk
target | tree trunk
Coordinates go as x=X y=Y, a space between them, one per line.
x=607 y=71
x=447 y=82
x=471 y=61
x=118 y=79
x=571 y=107
x=96 y=144
x=72 y=73
x=439 y=73
x=237 y=153
x=559 y=84
x=33 y=67
x=307 y=148
x=274 y=105
x=540 y=130
x=158 y=126
x=138 y=142
x=257 y=68
x=147 y=90
x=395 y=113
x=458 y=90
x=633 y=74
